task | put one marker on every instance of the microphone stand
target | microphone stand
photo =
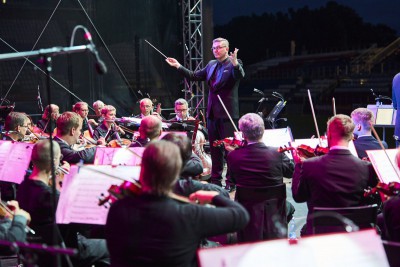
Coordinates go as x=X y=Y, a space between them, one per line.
x=46 y=60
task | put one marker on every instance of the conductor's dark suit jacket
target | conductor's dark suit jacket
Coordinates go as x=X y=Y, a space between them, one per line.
x=226 y=86
x=337 y=179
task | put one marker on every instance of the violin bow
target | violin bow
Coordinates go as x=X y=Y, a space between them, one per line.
x=227 y=113
x=315 y=119
x=334 y=106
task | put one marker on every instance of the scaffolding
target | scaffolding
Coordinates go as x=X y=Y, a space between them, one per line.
x=193 y=52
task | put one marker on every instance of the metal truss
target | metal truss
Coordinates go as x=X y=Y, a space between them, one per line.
x=193 y=52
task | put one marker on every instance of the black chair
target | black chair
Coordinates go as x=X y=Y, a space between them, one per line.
x=392 y=250
x=327 y=220
x=267 y=210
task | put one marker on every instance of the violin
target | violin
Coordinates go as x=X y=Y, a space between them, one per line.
x=230 y=141
x=118 y=192
x=390 y=189
x=128 y=188
x=306 y=151
x=5 y=211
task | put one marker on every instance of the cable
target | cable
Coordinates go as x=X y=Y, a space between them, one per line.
x=34 y=45
x=108 y=50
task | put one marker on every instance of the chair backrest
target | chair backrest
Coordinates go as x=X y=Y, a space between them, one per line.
x=266 y=206
x=392 y=250
x=362 y=216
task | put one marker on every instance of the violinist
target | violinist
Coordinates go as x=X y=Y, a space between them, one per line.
x=44 y=124
x=35 y=195
x=363 y=119
x=257 y=165
x=98 y=106
x=82 y=109
x=152 y=229
x=12 y=226
x=108 y=128
x=391 y=213
x=337 y=179
x=191 y=167
x=150 y=130
x=182 y=114
x=16 y=126
x=146 y=109
x=69 y=130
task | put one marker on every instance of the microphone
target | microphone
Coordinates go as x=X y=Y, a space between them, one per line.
x=258 y=91
x=99 y=64
x=377 y=98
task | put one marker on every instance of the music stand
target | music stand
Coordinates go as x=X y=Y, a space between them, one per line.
x=275 y=112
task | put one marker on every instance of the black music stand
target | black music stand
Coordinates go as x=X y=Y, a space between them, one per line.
x=271 y=118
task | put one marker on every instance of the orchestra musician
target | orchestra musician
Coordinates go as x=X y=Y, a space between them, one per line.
x=191 y=167
x=82 y=109
x=256 y=165
x=98 y=106
x=150 y=130
x=146 y=109
x=154 y=229
x=336 y=179
x=16 y=126
x=363 y=119
x=69 y=130
x=35 y=195
x=44 y=123
x=108 y=128
x=223 y=76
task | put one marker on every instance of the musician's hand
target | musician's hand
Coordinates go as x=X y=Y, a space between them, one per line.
x=119 y=130
x=157 y=115
x=297 y=157
x=203 y=197
x=101 y=141
x=14 y=206
x=230 y=148
x=233 y=57
x=93 y=122
x=173 y=62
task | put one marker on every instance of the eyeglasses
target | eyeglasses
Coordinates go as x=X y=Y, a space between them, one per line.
x=180 y=110
x=217 y=48
x=27 y=126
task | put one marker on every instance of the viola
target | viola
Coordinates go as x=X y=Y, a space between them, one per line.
x=230 y=141
x=306 y=151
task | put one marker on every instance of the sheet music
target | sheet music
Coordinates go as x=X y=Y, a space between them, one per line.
x=124 y=156
x=82 y=188
x=278 y=138
x=14 y=160
x=362 y=248
x=386 y=168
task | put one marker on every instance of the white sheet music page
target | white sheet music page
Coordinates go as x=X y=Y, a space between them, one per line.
x=82 y=188
x=14 y=160
x=385 y=164
x=362 y=248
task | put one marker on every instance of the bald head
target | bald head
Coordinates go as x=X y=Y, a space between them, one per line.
x=150 y=127
x=41 y=154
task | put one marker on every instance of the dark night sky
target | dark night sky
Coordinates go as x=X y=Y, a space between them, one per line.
x=372 y=11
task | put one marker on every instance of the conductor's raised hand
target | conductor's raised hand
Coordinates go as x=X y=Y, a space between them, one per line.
x=233 y=57
x=173 y=62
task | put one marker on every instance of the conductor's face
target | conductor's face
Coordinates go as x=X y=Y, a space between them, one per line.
x=220 y=50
